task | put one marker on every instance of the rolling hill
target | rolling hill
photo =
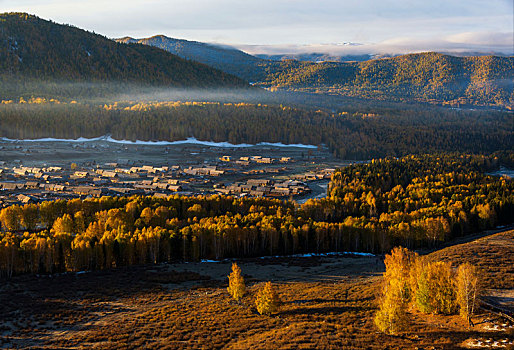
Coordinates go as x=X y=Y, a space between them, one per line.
x=225 y=58
x=423 y=77
x=41 y=50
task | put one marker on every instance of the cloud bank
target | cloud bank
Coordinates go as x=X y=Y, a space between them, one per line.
x=382 y=25
x=467 y=42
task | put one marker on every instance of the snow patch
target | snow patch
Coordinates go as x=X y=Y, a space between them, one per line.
x=189 y=140
x=503 y=172
x=307 y=255
x=310 y=255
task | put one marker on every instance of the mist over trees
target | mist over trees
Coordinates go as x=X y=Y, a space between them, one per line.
x=36 y=51
x=357 y=135
x=423 y=77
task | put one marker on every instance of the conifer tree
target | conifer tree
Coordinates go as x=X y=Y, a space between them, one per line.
x=236 y=283
x=267 y=301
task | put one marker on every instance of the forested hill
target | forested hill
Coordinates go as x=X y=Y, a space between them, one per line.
x=227 y=59
x=422 y=77
x=426 y=77
x=40 y=50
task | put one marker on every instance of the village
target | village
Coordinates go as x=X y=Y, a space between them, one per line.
x=235 y=174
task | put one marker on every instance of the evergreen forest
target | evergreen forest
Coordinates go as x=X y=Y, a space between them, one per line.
x=348 y=135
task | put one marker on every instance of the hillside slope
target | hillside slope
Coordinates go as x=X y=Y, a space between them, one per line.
x=41 y=50
x=423 y=77
x=426 y=77
x=225 y=58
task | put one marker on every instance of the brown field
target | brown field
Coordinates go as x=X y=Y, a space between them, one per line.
x=327 y=303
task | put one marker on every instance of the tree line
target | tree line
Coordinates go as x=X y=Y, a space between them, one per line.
x=357 y=135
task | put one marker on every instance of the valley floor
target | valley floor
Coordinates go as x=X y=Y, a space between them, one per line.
x=327 y=303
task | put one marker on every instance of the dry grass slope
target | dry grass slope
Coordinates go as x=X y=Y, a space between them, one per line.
x=493 y=255
x=327 y=303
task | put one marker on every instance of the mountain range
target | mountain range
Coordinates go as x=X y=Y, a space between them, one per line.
x=37 y=49
x=423 y=77
x=225 y=58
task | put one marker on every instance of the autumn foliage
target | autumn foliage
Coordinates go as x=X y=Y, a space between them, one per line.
x=415 y=201
x=391 y=316
x=430 y=287
x=267 y=301
x=467 y=289
x=236 y=284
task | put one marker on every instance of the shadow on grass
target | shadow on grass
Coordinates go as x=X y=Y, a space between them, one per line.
x=321 y=300
x=325 y=310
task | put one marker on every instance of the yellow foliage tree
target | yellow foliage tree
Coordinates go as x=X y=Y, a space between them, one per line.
x=398 y=266
x=29 y=216
x=443 y=286
x=10 y=218
x=416 y=277
x=435 y=290
x=467 y=290
x=391 y=316
x=236 y=283
x=267 y=301
x=63 y=225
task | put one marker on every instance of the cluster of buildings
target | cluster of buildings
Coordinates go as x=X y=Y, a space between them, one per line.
x=266 y=188
x=245 y=161
x=242 y=176
x=32 y=184
x=323 y=174
x=104 y=168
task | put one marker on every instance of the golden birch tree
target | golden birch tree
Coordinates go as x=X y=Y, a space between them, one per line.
x=236 y=284
x=267 y=301
x=467 y=290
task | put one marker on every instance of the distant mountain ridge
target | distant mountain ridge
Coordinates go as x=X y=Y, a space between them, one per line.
x=225 y=58
x=319 y=57
x=38 y=49
x=316 y=57
x=423 y=77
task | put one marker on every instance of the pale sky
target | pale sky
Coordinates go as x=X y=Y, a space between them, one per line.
x=291 y=26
